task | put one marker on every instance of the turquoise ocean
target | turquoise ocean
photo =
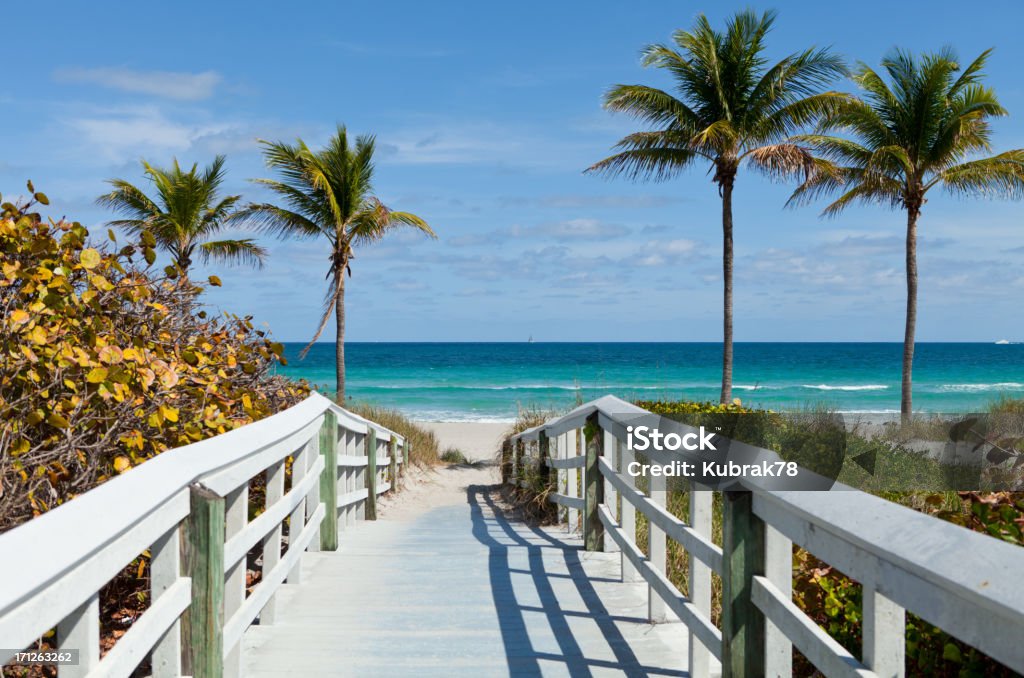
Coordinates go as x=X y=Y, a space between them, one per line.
x=490 y=381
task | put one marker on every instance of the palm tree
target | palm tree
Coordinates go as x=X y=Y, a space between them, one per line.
x=730 y=109
x=329 y=194
x=927 y=127
x=183 y=214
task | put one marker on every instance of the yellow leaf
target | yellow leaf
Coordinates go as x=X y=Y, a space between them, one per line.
x=246 y=401
x=215 y=281
x=19 y=316
x=170 y=413
x=96 y=375
x=90 y=258
x=111 y=355
x=736 y=401
x=37 y=335
x=122 y=464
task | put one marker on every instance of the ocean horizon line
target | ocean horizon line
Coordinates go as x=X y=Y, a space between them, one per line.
x=651 y=342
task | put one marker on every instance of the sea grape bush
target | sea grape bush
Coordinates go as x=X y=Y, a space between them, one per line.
x=107 y=361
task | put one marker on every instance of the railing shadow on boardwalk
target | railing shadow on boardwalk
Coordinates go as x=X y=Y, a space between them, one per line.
x=522 y=658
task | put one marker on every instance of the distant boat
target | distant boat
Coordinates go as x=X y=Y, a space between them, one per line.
x=530 y=340
x=1003 y=342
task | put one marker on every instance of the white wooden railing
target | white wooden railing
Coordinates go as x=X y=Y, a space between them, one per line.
x=189 y=508
x=966 y=583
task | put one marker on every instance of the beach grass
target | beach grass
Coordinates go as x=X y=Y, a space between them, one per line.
x=425 y=449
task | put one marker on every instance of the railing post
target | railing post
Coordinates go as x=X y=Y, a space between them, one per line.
x=593 y=530
x=778 y=568
x=393 y=455
x=165 y=572
x=506 y=462
x=371 y=474
x=701 y=506
x=272 y=542
x=884 y=634
x=743 y=540
x=203 y=622
x=329 y=482
x=543 y=452
x=236 y=516
x=81 y=631
x=657 y=548
x=572 y=481
x=360 y=442
x=518 y=474
x=610 y=450
x=628 y=519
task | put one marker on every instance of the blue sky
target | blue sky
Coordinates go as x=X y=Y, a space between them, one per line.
x=485 y=115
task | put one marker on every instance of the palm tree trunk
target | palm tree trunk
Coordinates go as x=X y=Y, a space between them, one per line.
x=727 y=292
x=339 y=346
x=906 y=401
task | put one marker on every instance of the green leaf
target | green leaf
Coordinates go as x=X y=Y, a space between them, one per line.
x=147 y=239
x=150 y=254
x=57 y=421
x=110 y=234
x=215 y=281
x=41 y=197
x=950 y=652
x=171 y=272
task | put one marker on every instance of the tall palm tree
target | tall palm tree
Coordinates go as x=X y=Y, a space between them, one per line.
x=328 y=194
x=183 y=214
x=729 y=109
x=927 y=127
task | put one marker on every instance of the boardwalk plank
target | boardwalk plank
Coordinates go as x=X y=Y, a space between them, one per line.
x=463 y=591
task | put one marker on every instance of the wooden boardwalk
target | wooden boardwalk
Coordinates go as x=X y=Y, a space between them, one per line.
x=463 y=591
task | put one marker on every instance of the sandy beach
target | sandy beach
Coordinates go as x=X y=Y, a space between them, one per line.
x=478 y=441
x=447 y=484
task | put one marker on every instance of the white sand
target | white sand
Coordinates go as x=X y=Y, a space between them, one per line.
x=478 y=441
x=446 y=485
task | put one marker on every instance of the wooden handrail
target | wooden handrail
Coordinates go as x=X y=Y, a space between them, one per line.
x=962 y=581
x=188 y=506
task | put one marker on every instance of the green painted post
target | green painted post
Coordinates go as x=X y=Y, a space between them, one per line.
x=506 y=461
x=203 y=622
x=544 y=452
x=393 y=453
x=593 y=530
x=329 y=482
x=743 y=557
x=371 y=475
x=520 y=452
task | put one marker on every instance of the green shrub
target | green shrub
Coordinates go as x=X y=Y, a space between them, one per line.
x=107 y=362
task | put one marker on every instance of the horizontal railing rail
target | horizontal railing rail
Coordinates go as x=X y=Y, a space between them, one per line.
x=964 y=582
x=189 y=509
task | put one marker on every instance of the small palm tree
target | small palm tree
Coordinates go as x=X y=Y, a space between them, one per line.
x=927 y=127
x=328 y=194
x=730 y=109
x=183 y=214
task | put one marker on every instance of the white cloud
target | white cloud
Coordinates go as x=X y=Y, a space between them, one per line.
x=123 y=134
x=168 y=84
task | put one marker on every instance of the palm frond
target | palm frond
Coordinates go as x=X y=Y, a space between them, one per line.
x=244 y=250
x=998 y=176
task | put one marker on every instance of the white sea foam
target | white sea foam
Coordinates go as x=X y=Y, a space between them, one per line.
x=858 y=387
x=975 y=388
